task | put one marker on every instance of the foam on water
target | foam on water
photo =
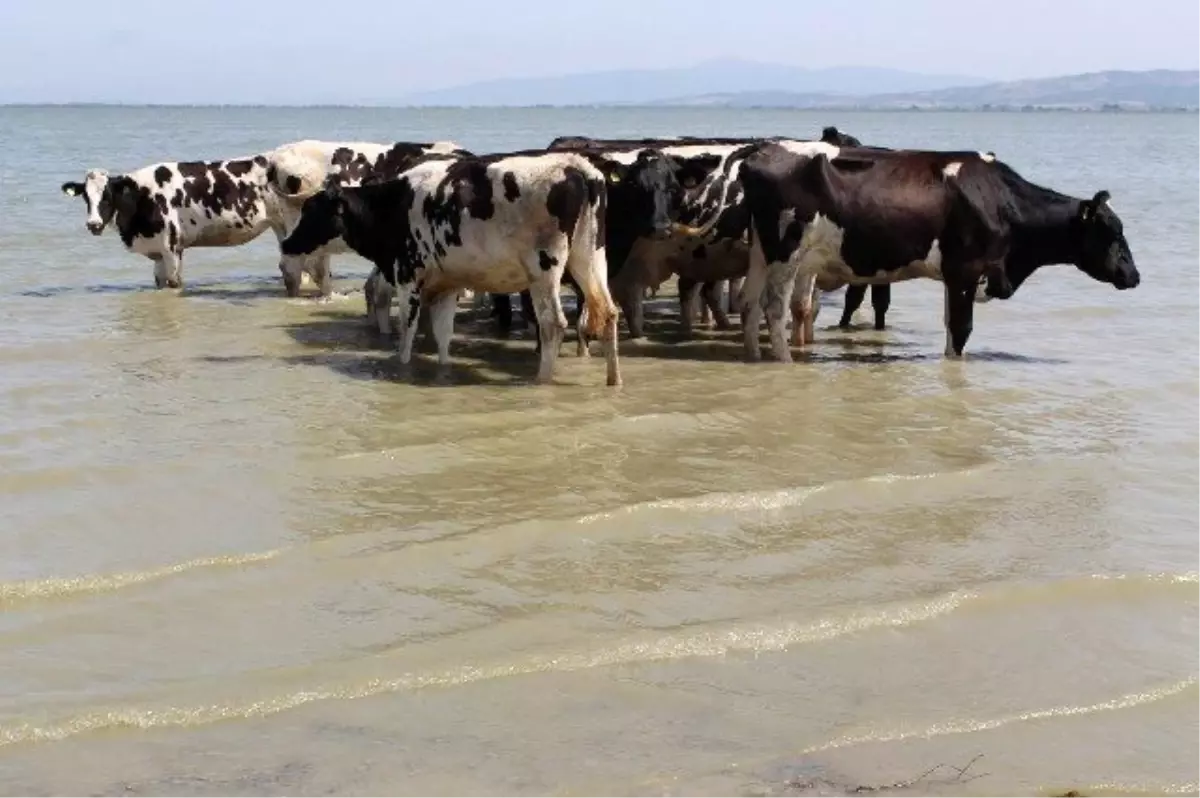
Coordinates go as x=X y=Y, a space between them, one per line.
x=753 y=639
x=1127 y=701
x=766 y=500
x=34 y=589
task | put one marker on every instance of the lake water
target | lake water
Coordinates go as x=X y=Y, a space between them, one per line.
x=242 y=552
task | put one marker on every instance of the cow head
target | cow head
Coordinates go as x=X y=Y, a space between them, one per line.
x=97 y=192
x=1103 y=252
x=648 y=191
x=831 y=135
x=321 y=221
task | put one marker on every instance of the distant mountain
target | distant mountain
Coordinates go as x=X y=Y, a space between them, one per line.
x=1153 y=89
x=724 y=76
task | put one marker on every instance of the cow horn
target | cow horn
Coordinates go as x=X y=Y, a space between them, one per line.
x=680 y=229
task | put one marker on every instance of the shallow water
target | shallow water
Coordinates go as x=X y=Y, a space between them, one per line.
x=242 y=551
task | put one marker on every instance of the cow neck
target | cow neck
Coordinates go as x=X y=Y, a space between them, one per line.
x=1044 y=230
x=360 y=221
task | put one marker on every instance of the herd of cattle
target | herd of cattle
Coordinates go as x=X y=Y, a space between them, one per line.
x=762 y=222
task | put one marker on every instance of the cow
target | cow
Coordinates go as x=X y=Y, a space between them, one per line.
x=297 y=171
x=858 y=216
x=498 y=223
x=716 y=253
x=645 y=193
x=165 y=208
x=650 y=262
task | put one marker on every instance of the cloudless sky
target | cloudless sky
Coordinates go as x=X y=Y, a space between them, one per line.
x=305 y=51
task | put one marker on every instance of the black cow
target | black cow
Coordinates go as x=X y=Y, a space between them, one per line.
x=869 y=216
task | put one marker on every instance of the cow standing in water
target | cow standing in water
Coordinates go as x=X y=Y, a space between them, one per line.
x=496 y=223
x=716 y=252
x=862 y=216
x=299 y=170
x=163 y=209
x=645 y=195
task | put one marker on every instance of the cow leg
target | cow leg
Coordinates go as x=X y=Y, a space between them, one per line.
x=379 y=294
x=805 y=308
x=710 y=292
x=369 y=293
x=441 y=320
x=689 y=288
x=735 y=292
x=588 y=268
x=551 y=321
x=855 y=294
x=958 y=314
x=752 y=302
x=781 y=284
x=628 y=290
x=530 y=315
x=705 y=310
x=293 y=276
x=410 y=314
x=502 y=309
x=881 y=299
x=322 y=275
x=582 y=348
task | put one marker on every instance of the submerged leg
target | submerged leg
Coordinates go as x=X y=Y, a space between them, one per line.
x=881 y=299
x=855 y=294
x=441 y=317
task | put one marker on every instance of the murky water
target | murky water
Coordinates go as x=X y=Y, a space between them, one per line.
x=242 y=552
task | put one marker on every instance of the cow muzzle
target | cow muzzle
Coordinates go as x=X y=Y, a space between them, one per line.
x=95 y=228
x=1127 y=277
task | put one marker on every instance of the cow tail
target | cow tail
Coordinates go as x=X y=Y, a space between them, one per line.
x=588 y=262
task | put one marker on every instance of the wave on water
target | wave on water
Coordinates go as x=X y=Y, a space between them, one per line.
x=34 y=589
x=1112 y=788
x=705 y=644
x=1127 y=701
x=1187 y=578
x=766 y=500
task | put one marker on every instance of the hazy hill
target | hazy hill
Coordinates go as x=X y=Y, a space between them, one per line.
x=1160 y=88
x=642 y=86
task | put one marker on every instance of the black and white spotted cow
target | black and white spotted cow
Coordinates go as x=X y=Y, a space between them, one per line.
x=650 y=262
x=716 y=252
x=297 y=171
x=645 y=193
x=163 y=209
x=859 y=216
x=499 y=223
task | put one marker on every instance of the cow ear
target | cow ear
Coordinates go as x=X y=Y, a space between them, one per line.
x=616 y=174
x=72 y=189
x=1088 y=208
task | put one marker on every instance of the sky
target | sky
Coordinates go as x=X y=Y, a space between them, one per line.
x=285 y=51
